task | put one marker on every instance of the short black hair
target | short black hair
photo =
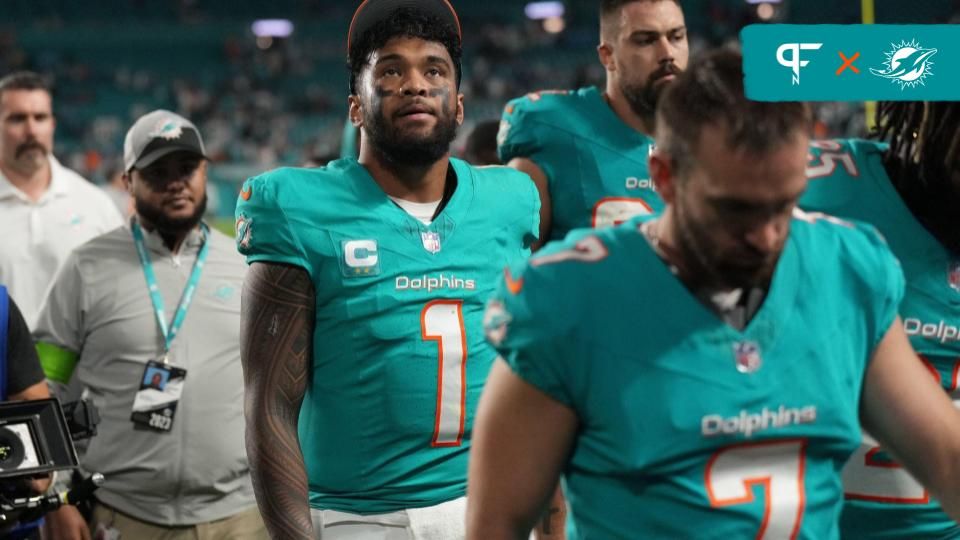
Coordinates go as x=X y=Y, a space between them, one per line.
x=608 y=7
x=711 y=92
x=24 y=80
x=405 y=22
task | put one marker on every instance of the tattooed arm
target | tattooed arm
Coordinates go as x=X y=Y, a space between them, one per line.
x=276 y=351
x=552 y=524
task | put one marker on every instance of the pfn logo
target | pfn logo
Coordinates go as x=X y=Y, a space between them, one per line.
x=794 y=62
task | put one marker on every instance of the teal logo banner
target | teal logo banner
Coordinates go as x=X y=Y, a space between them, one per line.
x=857 y=62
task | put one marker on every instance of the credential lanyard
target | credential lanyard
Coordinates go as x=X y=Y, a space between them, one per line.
x=169 y=333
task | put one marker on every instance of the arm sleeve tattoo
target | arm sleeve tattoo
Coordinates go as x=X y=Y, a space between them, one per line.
x=276 y=351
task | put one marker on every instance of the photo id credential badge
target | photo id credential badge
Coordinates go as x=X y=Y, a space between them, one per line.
x=155 y=404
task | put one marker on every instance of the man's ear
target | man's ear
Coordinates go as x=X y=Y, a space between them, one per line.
x=663 y=174
x=355 y=110
x=128 y=181
x=605 y=54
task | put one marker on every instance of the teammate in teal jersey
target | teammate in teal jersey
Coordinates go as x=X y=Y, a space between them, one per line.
x=586 y=149
x=904 y=190
x=366 y=295
x=702 y=374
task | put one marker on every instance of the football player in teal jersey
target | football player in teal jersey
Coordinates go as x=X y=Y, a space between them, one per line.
x=704 y=375
x=363 y=350
x=910 y=190
x=587 y=149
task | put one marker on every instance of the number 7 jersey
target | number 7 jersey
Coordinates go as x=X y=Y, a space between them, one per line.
x=689 y=428
x=399 y=356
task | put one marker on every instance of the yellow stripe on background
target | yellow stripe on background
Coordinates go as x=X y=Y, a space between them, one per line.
x=868 y=16
x=866 y=7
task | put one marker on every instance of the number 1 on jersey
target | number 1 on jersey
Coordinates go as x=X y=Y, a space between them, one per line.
x=442 y=321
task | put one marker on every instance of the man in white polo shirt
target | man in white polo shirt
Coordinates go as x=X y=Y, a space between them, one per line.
x=46 y=210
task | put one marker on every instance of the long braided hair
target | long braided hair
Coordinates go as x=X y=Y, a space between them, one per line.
x=924 y=162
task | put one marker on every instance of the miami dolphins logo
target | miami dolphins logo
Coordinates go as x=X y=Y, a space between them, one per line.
x=495 y=322
x=908 y=64
x=503 y=132
x=244 y=233
x=953 y=275
x=167 y=128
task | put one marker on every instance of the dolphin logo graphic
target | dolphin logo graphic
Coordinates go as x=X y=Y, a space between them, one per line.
x=907 y=63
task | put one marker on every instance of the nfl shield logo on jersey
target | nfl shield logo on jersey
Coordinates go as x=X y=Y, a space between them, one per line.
x=953 y=275
x=747 y=355
x=431 y=241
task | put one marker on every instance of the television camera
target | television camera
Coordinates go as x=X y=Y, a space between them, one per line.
x=36 y=439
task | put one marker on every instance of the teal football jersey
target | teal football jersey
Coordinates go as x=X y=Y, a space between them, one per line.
x=688 y=427
x=399 y=354
x=848 y=179
x=596 y=165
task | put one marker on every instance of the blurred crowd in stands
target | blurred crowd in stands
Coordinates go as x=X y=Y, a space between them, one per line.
x=270 y=102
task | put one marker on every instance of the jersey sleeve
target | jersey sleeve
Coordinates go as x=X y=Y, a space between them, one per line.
x=890 y=284
x=880 y=277
x=530 y=321
x=523 y=132
x=264 y=230
x=59 y=332
x=528 y=211
x=840 y=171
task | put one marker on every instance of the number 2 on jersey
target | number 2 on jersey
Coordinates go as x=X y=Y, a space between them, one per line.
x=442 y=321
x=776 y=466
x=870 y=476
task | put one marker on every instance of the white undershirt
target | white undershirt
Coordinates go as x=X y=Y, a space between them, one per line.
x=423 y=212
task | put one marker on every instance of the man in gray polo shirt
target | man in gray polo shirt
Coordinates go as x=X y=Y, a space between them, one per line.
x=147 y=319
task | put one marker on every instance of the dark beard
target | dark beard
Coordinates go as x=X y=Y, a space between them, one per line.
x=405 y=151
x=698 y=271
x=643 y=99
x=703 y=268
x=167 y=225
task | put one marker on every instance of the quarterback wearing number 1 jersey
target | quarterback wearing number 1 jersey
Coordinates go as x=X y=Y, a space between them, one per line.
x=728 y=434
x=399 y=355
x=848 y=179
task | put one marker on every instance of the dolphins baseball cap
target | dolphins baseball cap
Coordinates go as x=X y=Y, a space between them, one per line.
x=372 y=12
x=158 y=134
